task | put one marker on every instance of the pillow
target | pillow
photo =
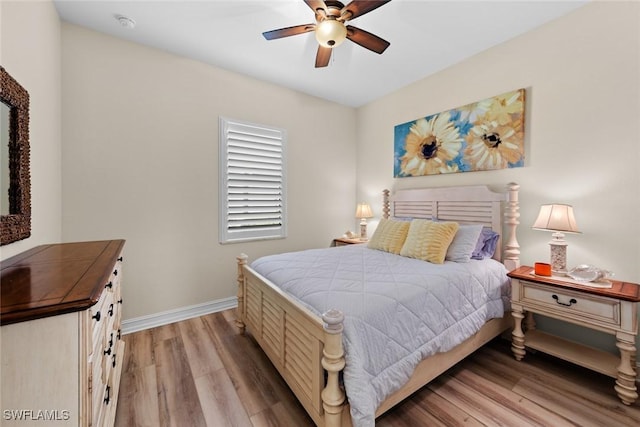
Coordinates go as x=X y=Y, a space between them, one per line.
x=464 y=243
x=389 y=236
x=428 y=240
x=486 y=246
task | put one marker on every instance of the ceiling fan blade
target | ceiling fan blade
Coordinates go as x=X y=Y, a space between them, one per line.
x=323 y=56
x=360 y=7
x=366 y=39
x=316 y=4
x=288 y=31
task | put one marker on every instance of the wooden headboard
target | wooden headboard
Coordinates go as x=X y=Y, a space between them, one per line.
x=475 y=204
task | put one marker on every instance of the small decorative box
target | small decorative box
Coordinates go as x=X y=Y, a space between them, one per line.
x=542 y=269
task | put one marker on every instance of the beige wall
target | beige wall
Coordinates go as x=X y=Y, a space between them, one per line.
x=582 y=75
x=140 y=162
x=30 y=52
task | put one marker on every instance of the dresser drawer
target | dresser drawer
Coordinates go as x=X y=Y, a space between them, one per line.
x=114 y=280
x=100 y=317
x=566 y=303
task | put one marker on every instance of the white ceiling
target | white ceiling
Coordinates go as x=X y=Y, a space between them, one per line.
x=426 y=37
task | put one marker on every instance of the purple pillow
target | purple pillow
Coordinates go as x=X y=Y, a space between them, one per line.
x=486 y=245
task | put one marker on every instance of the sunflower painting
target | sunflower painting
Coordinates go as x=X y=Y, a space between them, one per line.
x=485 y=135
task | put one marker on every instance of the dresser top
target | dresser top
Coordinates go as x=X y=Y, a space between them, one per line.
x=55 y=279
x=626 y=291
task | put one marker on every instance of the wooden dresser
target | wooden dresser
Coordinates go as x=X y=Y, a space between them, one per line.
x=61 y=346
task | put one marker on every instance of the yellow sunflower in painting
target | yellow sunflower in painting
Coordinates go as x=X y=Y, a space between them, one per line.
x=429 y=145
x=491 y=145
x=503 y=106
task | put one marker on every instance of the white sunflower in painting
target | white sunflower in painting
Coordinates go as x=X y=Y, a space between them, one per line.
x=491 y=145
x=429 y=145
x=472 y=112
x=450 y=168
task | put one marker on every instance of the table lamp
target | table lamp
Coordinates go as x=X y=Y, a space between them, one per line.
x=558 y=218
x=363 y=211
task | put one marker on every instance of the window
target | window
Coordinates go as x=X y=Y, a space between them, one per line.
x=252 y=182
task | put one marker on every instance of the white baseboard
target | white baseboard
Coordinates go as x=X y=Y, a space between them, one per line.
x=170 y=316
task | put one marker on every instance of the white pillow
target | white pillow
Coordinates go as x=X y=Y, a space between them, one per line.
x=464 y=243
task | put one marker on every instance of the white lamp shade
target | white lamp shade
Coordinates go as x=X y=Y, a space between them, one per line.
x=330 y=33
x=364 y=211
x=556 y=217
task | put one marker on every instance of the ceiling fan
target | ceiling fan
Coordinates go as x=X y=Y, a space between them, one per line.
x=330 y=27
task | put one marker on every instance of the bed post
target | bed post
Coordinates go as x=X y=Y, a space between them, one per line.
x=333 y=362
x=386 y=207
x=511 y=257
x=242 y=261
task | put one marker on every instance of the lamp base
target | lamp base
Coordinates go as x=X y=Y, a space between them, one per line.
x=558 y=255
x=363 y=230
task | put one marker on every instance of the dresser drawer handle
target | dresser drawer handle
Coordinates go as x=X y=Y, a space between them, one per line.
x=107 y=352
x=113 y=363
x=115 y=272
x=119 y=301
x=571 y=301
x=110 y=310
x=107 y=398
x=120 y=259
x=96 y=316
x=109 y=285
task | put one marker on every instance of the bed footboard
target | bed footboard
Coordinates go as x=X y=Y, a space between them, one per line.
x=302 y=346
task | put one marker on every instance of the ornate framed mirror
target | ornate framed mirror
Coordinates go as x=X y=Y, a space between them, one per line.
x=15 y=177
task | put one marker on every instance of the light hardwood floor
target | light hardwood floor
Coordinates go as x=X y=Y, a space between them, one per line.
x=203 y=372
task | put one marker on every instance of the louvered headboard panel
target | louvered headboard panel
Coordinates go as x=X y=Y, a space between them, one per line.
x=466 y=205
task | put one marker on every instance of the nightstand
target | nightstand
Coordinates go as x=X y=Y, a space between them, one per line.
x=613 y=310
x=343 y=241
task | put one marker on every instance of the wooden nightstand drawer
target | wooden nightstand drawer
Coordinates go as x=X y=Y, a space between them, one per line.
x=569 y=304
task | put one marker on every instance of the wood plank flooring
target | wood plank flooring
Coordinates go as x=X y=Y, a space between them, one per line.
x=203 y=372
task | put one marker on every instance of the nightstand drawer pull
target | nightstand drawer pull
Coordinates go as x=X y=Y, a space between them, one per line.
x=571 y=301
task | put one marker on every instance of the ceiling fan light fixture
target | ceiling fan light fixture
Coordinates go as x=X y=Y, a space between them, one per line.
x=330 y=33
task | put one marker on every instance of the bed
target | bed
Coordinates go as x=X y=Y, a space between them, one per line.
x=307 y=345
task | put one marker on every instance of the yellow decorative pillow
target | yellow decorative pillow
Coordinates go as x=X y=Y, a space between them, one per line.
x=428 y=240
x=389 y=236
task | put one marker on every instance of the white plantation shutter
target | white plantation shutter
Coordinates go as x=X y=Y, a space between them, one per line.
x=252 y=182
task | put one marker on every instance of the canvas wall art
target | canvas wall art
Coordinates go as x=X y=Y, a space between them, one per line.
x=484 y=135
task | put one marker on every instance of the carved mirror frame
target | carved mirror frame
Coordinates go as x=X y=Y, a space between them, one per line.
x=17 y=224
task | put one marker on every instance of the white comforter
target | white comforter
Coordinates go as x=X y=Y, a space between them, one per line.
x=397 y=310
